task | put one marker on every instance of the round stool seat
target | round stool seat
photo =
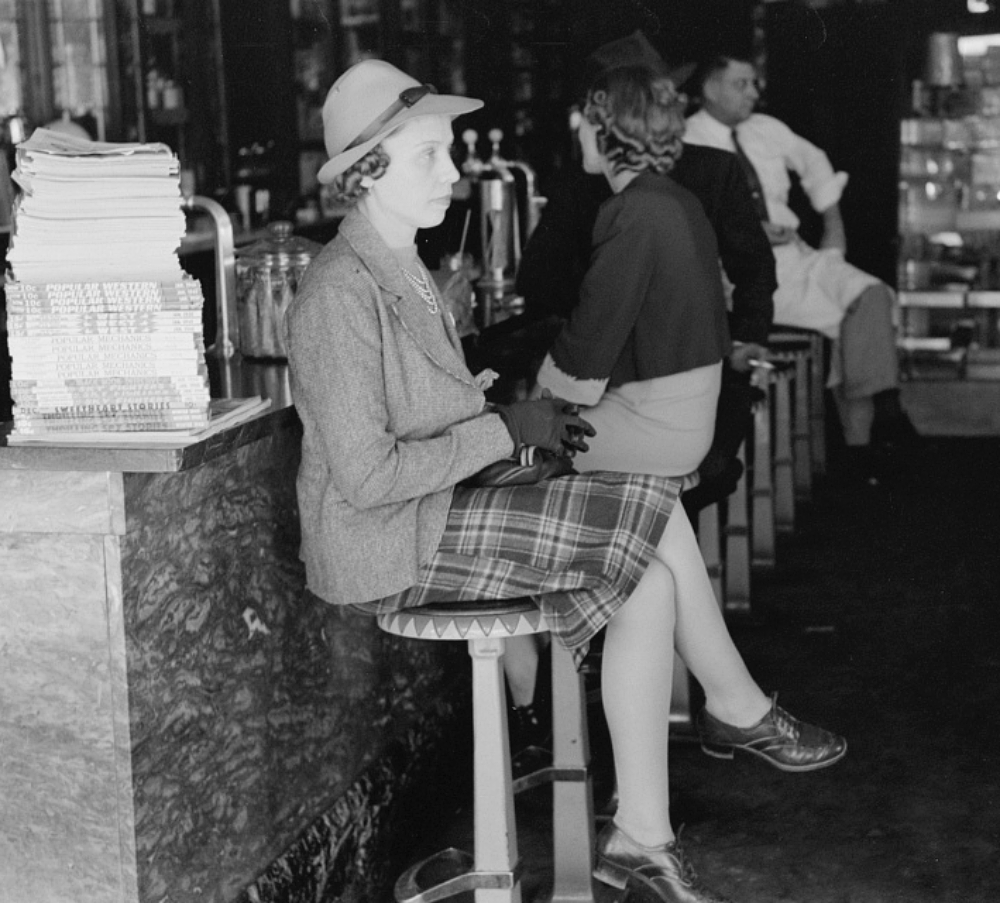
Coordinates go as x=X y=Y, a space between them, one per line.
x=466 y=620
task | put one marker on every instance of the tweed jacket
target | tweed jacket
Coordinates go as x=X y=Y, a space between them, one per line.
x=392 y=419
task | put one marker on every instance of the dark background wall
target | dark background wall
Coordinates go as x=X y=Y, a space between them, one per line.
x=837 y=78
x=256 y=46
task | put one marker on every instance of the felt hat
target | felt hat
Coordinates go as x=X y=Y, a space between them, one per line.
x=635 y=49
x=370 y=100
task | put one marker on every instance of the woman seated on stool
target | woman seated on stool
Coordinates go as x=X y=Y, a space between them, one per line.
x=393 y=423
x=643 y=348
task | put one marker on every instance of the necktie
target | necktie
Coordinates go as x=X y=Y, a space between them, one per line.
x=753 y=180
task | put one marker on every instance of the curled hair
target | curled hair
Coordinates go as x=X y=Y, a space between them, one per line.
x=347 y=187
x=639 y=115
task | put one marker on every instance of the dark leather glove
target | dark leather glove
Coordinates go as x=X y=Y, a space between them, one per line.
x=549 y=423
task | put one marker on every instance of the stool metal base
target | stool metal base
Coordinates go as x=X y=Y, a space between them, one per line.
x=447 y=873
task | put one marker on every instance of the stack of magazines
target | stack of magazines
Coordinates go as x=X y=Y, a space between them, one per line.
x=104 y=326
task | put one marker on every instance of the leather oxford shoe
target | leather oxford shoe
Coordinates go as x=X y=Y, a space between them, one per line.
x=651 y=874
x=779 y=739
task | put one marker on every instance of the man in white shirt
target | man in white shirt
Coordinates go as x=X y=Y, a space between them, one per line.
x=817 y=288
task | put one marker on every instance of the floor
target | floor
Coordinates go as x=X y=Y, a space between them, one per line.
x=881 y=621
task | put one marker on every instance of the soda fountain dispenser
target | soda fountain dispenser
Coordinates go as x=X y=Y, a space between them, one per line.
x=509 y=208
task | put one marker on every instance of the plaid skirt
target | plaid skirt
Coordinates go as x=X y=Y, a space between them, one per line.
x=578 y=545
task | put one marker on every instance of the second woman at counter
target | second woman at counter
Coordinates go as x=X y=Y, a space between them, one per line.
x=643 y=348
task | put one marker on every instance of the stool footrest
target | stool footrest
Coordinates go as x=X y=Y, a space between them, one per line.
x=549 y=775
x=447 y=873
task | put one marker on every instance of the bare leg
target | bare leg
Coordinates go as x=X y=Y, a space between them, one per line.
x=636 y=677
x=701 y=636
x=520 y=665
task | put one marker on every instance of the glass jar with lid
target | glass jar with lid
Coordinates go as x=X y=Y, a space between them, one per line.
x=267 y=276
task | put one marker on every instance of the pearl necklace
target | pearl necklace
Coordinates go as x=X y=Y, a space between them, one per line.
x=422 y=286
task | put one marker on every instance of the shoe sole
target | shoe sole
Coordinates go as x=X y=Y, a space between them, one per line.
x=728 y=752
x=610 y=873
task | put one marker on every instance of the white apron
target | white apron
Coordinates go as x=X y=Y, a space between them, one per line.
x=815 y=288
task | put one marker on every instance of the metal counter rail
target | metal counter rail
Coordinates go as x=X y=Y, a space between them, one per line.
x=225 y=274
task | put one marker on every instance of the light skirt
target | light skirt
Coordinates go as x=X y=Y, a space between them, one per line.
x=661 y=426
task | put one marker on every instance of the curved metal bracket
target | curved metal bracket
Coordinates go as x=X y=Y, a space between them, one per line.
x=225 y=274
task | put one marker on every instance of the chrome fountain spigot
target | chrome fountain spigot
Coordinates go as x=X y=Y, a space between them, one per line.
x=496 y=136
x=472 y=165
x=533 y=201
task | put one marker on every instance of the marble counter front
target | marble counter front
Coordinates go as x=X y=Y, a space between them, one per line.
x=179 y=719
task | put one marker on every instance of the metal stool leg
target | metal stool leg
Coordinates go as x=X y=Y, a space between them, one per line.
x=737 y=572
x=572 y=794
x=784 y=480
x=817 y=406
x=711 y=549
x=495 y=828
x=762 y=489
x=801 y=440
x=493 y=871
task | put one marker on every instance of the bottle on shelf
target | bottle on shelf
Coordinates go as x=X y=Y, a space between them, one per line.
x=172 y=95
x=251 y=191
x=154 y=89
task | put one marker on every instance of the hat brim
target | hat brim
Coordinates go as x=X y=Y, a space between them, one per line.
x=428 y=105
x=635 y=49
x=681 y=75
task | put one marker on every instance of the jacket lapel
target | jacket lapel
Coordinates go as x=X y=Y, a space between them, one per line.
x=436 y=342
x=443 y=347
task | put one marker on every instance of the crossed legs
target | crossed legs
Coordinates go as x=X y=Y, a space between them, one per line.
x=701 y=636
x=673 y=604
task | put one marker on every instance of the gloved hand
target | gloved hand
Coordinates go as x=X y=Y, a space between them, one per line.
x=549 y=423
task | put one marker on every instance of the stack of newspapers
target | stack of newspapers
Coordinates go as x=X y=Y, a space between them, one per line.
x=104 y=327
